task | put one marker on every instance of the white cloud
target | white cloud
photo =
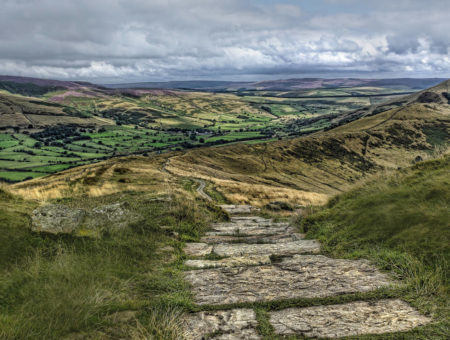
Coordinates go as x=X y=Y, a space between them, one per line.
x=161 y=39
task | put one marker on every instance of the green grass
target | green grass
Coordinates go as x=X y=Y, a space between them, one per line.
x=52 y=286
x=401 y=222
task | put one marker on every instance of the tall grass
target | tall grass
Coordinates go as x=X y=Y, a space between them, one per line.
x=401 y=222
x=59 y=286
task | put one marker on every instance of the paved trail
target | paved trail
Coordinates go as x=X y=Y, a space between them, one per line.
x=264 y=261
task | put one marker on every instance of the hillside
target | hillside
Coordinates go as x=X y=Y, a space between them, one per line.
x=130 y=251
x=48 y=125
x=400 y=222
x=302 y=171
x=326 y=162
x=285 y=84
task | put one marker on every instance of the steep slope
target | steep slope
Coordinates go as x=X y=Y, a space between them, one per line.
x=400 y=222
x=324 y=163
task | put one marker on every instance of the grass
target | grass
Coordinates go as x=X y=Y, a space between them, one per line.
x=55 y=286
x=401 y=222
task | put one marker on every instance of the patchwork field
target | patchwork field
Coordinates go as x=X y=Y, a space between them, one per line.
x=45 y=129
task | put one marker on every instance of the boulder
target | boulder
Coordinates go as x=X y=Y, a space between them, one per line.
x=57 y=219
x=61 y=219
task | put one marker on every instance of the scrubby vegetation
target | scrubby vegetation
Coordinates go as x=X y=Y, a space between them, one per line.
x=124 y=283
x=400 y=221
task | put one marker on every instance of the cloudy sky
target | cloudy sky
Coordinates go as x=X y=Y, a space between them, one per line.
x=151 y=40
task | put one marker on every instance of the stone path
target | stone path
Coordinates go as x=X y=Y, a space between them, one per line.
x=252 y=259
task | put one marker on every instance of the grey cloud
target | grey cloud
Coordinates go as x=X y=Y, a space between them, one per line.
x=165 y=39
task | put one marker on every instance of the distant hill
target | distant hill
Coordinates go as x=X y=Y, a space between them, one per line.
x=306 y=170
x=284 y=84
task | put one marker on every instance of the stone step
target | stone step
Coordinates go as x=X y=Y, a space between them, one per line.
x=239 y=261
x=232 y=230
x=255 y=219
x=277 y=238
x=356 y=318
x=238 y=209
x=287 y=248
x=302 y=276
x=242 y=249
x=235 y=324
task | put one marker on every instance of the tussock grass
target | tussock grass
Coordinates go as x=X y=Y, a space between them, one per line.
x=400 y=222
x=53 y=287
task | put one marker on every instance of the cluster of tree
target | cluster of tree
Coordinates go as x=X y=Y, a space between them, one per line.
x=58 y=135
x=121 y=118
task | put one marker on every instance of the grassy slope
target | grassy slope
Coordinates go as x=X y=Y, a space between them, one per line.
x=325 y=163
x=402 y=223
x=54 y=286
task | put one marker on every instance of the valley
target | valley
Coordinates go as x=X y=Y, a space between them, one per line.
x=48 y=126
x=258 y=239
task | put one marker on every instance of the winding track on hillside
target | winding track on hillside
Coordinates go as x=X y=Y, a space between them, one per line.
x=201 y=183
x=265 y=273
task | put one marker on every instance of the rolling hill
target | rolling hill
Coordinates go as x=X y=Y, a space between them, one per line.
x=49 y=125
x=103 y=282
x=303 y=171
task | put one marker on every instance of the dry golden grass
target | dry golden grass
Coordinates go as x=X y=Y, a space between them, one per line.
x=135 y=174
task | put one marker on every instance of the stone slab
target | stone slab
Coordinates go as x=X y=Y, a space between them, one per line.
x=255 y=219
x=235 y=324
x=277 y=238
x=302 y=276
x=287 y=248
x=230 y=262
x=238 y=209
x=356 y=318
x=234 y=230
x=197 y=249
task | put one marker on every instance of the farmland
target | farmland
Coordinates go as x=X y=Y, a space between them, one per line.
x=45 y=132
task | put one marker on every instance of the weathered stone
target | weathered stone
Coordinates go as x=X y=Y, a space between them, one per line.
x=238 y=209
x=111 y=216
x=302 y=276
x=255 y=219
x=252 y=230
x=230 y=262
x=197 y=249
x=56 y=218
x=235 y=324
x=287 y=248
x=277 y=238
x=356 y=318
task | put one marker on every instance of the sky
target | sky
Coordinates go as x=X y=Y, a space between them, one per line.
x=112 y=41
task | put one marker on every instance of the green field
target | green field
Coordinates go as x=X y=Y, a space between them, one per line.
x=82 y=129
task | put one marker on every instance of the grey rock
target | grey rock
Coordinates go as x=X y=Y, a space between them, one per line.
x=111 y=216
x=235 y=324
x=356 y=318
x=287 y=248
x=302 y=276
x=238 y=209
x=57 y=218
x=230 y=262
x=277 y=238
x=197 y=249
x=240 y=229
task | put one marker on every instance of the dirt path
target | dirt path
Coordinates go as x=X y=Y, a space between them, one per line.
x=201 y=183
x=201 y=187
x=258 y=279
